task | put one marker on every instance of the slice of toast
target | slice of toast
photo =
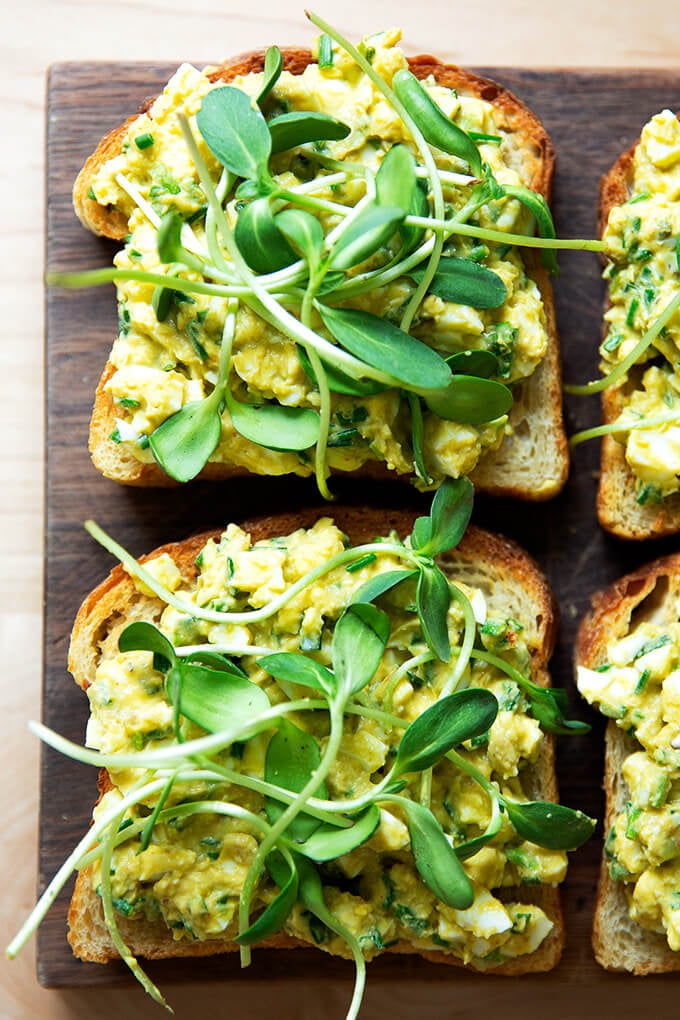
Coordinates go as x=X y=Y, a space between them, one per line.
x=513 y=587
x=651 y=592
x=532 y=462
x=617 y=507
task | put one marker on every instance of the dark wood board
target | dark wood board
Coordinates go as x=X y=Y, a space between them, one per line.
x=592 y=116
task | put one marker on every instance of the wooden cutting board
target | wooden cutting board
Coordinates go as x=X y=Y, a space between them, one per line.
x=592 y=116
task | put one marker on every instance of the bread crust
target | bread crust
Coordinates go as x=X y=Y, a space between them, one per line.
x=511 y=471
x=489 y=559
x=619 y=943
x=617 y=508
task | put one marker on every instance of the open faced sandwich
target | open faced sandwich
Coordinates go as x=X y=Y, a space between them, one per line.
x=325 y=733
x=320 y=273
x=628 y=665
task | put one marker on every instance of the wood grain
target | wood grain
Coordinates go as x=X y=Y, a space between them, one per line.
x=591 y=116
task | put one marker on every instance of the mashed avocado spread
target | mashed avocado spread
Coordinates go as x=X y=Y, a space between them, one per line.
x=644 y=277
x=192 y=872
x=639 y=687
x=164 y=360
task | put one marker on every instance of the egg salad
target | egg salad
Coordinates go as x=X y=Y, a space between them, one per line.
x=168 y=348
x=643 y=276
x=191 y=871
x=638 y=686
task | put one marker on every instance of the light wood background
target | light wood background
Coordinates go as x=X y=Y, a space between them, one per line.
x=36 y=33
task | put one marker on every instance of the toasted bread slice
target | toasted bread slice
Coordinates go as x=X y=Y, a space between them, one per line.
x=513 y=586
x=617 y=507
x=619 y=942
x=532 y=463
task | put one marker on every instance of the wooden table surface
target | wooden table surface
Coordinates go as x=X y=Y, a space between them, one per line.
x=602 y=33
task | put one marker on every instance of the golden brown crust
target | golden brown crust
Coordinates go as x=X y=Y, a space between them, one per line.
x=617 y=508
x=480 y=557
x=514 y=470
x=619 y=943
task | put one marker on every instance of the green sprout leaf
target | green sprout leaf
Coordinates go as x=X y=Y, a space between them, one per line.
x=183 y=443
x=381 y=583
x=296 y=668
x=395 y=181
x=552 y=826
x=235 y=132
x=386 y=347
x=470 y=400
x=538 y=207
x=273 y=66
x=481 y=363
x=437 y=129
x=435 y=859
x=328 y=842
x=273 y=425
x=448 y=722
x=215 y=699
x=292 y=757
x=371 y=229
x=168 y=239
x=304 y=232
x=465 y=283
x=292 y=129
x=259 y=239
x=144 y=637
x=433 y=599
x=359 y=641
x=449 y=517
x=273 y=918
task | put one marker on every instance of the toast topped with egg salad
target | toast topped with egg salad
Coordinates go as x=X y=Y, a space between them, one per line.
x=628 y=659
x=324 y=732
x=639 y=491
x=332 y=290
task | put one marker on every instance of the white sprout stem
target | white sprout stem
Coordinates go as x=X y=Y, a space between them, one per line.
x=225 y=649
x=670 y=418
x=254 y=615
x=124 y=951
x=174 y=753
x=467 y=646
x=189 y=239
x=293 y=809
x=454 y=226
x=423 y=148
x=401 y=671
x=142 y=204
x=71 y=863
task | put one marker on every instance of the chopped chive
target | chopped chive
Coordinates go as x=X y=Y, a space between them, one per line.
x=480 y=136
x=144 y=141
x=630 y=318
x=91 y=195
x=363 y=561
x=115 y=436
x=642 y=682
x=638 y=198
x=128 y=402
x=325 y=51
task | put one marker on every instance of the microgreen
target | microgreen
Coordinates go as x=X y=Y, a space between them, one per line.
x=284 y=258
x=386 y=347
x=470 y=399
x=299 y=826
x=273 y=66
x=260 y=240
x=235 y=132
x=437 y=129
x=291 y=129
x=465 y=282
